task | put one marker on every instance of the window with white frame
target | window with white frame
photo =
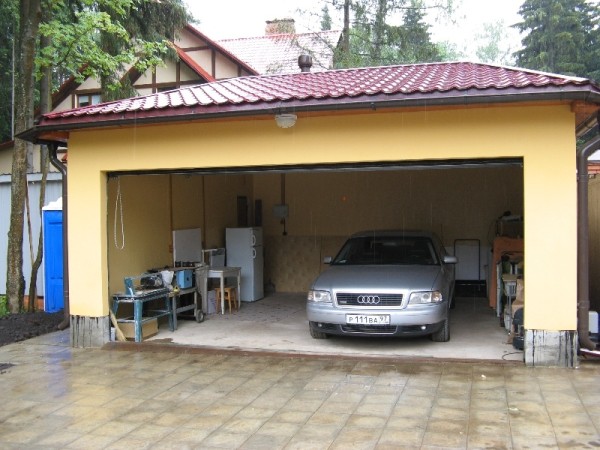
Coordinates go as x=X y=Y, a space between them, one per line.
x=88 y=99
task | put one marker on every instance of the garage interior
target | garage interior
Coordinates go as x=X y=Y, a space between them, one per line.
x=467 y=203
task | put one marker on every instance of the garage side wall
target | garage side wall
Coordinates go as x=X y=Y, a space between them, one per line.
x=542 y=135
x=594 y=212
x=152 y=206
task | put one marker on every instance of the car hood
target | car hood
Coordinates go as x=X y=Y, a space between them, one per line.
x=378 y=278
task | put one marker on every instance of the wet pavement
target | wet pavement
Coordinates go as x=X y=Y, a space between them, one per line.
x=54 y=396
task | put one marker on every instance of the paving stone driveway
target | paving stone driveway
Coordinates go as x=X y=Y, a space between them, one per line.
x=56 y=397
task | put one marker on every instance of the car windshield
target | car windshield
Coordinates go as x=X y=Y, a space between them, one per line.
x=387 y=250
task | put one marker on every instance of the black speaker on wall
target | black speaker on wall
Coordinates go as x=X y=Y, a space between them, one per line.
x=258 y=213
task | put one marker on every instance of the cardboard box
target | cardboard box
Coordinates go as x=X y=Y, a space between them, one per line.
x=149 y=329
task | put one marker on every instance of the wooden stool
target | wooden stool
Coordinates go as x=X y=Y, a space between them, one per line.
x=230 y=296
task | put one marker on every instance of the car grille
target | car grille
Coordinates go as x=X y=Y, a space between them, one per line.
x=352 y=299
x=373 y=329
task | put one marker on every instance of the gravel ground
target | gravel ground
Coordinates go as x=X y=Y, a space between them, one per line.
x=18 y=327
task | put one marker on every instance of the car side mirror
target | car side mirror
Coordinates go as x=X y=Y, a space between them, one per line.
x=450 y=259
x=327 y=260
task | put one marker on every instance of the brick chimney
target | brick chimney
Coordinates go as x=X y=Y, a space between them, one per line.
x=280 y=26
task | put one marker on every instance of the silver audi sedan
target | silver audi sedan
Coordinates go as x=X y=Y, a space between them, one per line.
x=384 y=283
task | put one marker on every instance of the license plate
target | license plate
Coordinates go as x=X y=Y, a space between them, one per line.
x=367 y=319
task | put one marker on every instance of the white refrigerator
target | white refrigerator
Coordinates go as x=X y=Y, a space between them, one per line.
x=244 y=248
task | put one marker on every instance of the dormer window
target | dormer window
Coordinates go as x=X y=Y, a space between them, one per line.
x=88 y=99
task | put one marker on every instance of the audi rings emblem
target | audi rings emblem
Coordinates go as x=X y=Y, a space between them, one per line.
x=368 y=299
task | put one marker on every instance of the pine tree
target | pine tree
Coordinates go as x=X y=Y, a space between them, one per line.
x=415 y=40
x=325 y=19
x=562 y=36
x=374 y=41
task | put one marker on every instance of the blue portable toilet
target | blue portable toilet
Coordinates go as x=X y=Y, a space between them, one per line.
x=52 y=219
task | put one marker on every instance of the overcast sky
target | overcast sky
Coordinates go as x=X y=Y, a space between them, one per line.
x=243 y=18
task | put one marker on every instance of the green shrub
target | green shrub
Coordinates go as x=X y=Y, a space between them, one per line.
x=3 y=306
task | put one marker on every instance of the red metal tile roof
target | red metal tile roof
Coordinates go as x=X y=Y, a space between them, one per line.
x=449 y=83
x=278 y=53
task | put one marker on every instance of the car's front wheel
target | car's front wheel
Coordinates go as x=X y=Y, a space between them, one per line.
x=316 y=334
x=443 y=334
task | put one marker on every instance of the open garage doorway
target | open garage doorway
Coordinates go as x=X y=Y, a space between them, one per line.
x=306 y=213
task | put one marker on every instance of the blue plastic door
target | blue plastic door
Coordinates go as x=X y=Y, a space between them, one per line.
x=53 y=260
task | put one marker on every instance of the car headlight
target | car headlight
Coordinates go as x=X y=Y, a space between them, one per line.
x=427 y=297
x=319 y=296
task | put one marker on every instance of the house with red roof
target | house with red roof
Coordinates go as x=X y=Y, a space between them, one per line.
x=448 y=147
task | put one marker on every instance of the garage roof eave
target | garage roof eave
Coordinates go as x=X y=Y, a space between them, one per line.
x=46 y=130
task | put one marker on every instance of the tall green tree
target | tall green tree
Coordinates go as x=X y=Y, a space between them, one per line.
x=24 y=92
x=100 y=38
x=80 y=38
x=561 y=36
x=415 y=43
x=384 y=32
x=325 y=19
x=8 y=20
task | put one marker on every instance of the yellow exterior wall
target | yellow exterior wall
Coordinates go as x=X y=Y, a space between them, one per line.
x=542 y=136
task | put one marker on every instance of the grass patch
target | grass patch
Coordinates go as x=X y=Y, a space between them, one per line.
x=3 y=306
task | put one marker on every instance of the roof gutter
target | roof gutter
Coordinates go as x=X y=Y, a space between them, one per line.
x=365 y=102
x=65 y=247
x=583 y=248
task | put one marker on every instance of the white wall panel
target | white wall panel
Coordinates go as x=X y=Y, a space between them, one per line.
x=53 y=192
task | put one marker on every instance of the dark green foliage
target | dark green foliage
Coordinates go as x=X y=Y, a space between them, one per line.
x=8 y=23
x=325 y=19
x=78 y=38
x=561 y=36
x=376 y=42
x=102 y=38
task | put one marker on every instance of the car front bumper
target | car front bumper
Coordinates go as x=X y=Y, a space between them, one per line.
x=413 y=321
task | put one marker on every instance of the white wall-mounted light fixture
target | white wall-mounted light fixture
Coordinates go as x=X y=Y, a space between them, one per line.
x=285 y=120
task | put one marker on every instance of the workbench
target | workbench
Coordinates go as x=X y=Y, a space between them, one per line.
x=138 y=298
x=175 y=297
